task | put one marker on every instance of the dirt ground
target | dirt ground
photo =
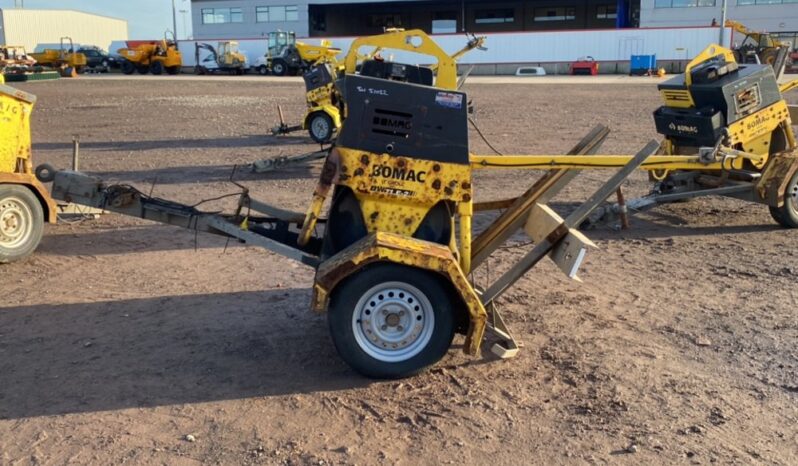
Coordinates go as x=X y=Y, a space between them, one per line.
x=119 y=337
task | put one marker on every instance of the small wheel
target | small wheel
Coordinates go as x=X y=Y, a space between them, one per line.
x=157 y=68
x=320 y=127
x=105 y=67
x=45 y=173
x=143 y=69
x=262 y=70
x=391 y=321
x=787 y=214
x=279 y=67
x=127 y=67
x=21 y=222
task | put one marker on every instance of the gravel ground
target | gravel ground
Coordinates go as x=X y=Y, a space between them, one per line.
x=125 y=341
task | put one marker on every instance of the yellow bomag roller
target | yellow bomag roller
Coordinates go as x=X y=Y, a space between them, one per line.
x=394 y=252
x=25 y=203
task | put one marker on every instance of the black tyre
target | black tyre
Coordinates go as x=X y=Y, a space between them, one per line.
x=156 y=68
x=127 y=67
x=320 y=127
x=787 y=214
x=279 y=67
x=262 y=70
x=80 y=69
x=105 y=67
x=173 y=70
x=143 y=69
x=390 y=321
x=21 y=222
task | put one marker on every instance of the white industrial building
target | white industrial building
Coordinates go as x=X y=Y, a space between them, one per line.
x=31 y=28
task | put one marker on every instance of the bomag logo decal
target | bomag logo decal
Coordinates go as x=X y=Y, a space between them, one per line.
x=392 y=123
x=404 y=174
x=756 y=122
x=683 y=128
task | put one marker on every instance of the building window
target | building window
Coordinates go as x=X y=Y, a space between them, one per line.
x=764 y=2
x=502 y=15
x=444 y=22
x=222 y=15
x=385 y=21
x=276 y=14
x=682 y=3
x=555 y=14
x=607 y=12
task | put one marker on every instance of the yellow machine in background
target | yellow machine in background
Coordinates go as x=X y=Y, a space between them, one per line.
x=759 y=47
x=64 y=59
x=25 y=203
x=226 y=58
x=14 y=58
x=286 y=56
x=155 y=58
x=325 y=103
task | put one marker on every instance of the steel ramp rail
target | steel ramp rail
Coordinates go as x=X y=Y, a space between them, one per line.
x=553 y=236
x=512 y=219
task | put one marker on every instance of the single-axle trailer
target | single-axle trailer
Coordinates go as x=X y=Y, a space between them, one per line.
x=393 y=255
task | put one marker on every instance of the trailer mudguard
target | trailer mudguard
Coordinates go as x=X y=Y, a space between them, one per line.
x=388 y=247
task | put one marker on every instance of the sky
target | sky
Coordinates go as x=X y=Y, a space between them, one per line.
x=147 y=19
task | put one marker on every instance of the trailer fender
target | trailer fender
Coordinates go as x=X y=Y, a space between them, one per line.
x=387 y=247
x=29 y=181
x=777 y=174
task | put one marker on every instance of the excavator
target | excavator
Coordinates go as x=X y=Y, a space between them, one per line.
x=227 y=58
x=759 y=47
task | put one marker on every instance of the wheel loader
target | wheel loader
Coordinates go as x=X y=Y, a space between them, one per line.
x=64 y=59
x=155 y=57
x=226 y=58
x=287 y=57
x=759 y=47
x=394 y=253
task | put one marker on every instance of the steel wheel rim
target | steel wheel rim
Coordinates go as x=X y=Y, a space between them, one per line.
x=16 y=225
x=320 y=127
x=278 y=68
x=393 y=321
x=792 y=196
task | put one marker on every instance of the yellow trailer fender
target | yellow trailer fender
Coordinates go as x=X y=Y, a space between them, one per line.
x=29 y=181
x=388 y=247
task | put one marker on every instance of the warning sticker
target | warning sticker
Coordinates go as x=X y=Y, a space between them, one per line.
x=449 y=99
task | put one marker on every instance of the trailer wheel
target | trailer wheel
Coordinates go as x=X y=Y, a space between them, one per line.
x=156 y=68
x=21 y=222
x=127 y=67
x=320 y=127
x=787 y=214
x=391 y=321
x=279 y=67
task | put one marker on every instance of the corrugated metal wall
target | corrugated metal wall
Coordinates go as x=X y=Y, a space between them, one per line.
x=539 y=47
x=33 y=27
